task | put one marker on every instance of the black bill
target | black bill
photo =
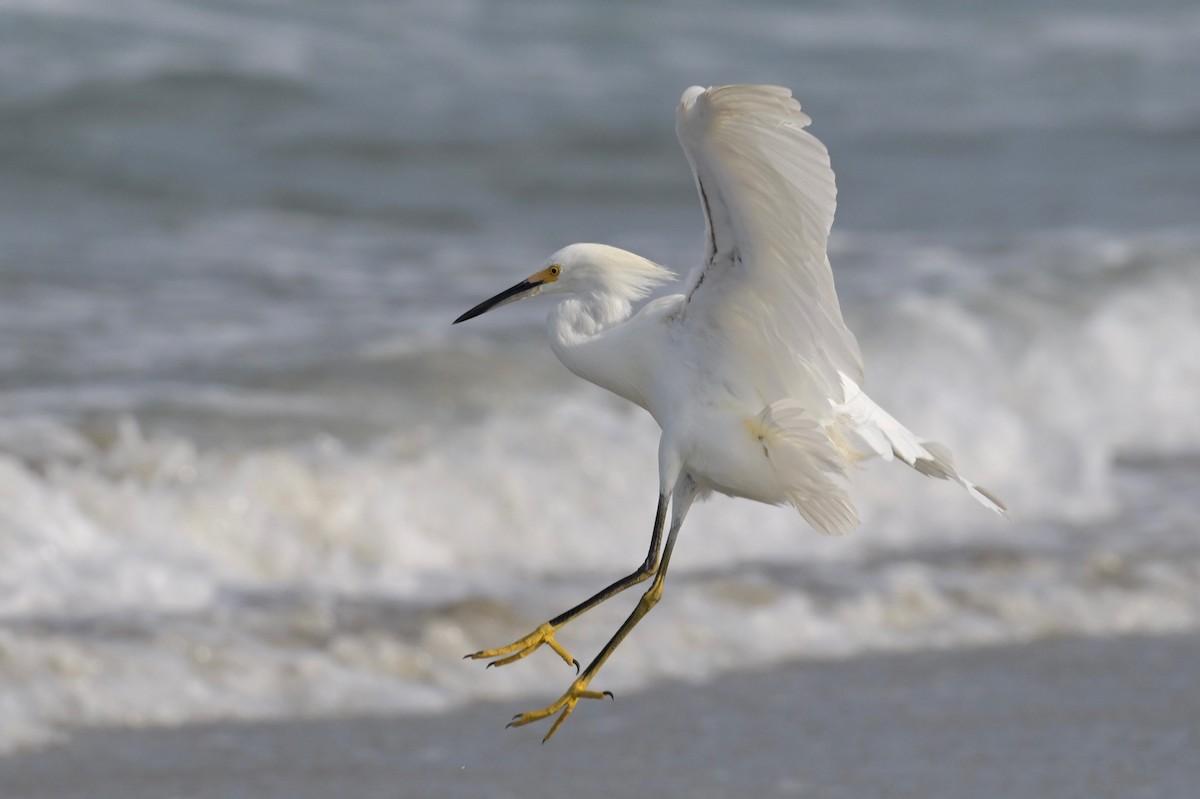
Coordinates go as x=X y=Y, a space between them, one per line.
x=508 y=295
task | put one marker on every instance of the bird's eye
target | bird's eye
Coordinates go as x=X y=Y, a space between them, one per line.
x=555 y=270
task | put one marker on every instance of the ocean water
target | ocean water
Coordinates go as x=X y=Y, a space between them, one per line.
x=249 y=470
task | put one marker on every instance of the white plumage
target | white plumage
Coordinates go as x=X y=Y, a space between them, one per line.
x=751 y=373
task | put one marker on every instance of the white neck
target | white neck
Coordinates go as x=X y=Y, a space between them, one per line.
x=585 y=335
x=576 y=319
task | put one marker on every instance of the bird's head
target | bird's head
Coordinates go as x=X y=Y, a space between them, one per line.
x=583 y=269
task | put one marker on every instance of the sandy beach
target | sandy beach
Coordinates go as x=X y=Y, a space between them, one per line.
x=1061 y=718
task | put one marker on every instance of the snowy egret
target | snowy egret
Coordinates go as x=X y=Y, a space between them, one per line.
x=750 y=372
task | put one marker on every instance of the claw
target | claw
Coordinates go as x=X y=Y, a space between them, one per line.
x=565 y=703
x=609 y=694
x=525 y=646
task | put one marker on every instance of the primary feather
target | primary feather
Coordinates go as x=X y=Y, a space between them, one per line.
x=765 y=286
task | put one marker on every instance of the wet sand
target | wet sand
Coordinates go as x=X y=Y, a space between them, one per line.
x=1059 y=718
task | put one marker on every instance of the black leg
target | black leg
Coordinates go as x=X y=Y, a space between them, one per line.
x=685 y=492
x=544 y=634
x=641 y=575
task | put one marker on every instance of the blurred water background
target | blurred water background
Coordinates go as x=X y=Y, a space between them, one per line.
x=248 y=470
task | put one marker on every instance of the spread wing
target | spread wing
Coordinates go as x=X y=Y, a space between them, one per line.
x=763 y=302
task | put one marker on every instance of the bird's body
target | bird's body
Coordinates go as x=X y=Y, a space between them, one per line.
x=750 y=372
x=709 y=425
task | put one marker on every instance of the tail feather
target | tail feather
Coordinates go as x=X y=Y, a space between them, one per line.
x=871 y=425
x=807 y=463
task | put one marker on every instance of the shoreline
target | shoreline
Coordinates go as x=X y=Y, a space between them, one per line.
x=1115 y=717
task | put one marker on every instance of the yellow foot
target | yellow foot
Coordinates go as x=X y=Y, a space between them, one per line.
x=566 y=703
x=519 y=649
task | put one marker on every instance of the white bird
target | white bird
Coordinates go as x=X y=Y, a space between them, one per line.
x=751 y=372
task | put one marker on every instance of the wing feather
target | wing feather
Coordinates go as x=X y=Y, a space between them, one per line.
x=764 y=301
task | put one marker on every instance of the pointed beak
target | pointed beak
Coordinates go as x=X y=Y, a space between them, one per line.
x=526 y=288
